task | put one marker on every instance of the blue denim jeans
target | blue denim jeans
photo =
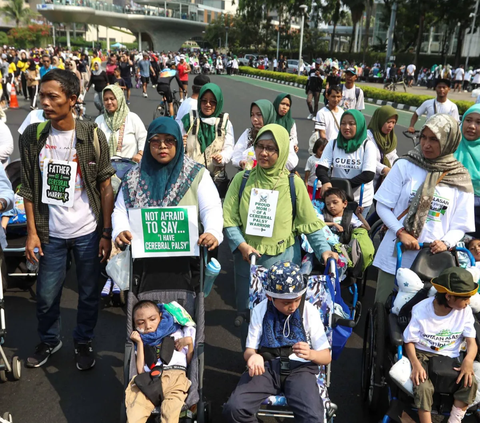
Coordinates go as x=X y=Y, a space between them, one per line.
x=51 y=277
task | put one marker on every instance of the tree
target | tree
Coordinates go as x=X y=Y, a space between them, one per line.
x=28 y=36
x=369 y=6
x=15 y=10
x=356 y=9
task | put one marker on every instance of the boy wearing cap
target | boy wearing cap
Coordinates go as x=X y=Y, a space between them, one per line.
x=285 y=345
x=438 y=326
x=352 y=96
x=433 y=106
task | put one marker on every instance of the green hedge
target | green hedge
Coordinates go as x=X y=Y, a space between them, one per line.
x=370 y=92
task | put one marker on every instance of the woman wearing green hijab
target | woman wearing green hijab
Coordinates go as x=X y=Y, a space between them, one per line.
x=283 y=107
x=262 y=112
x=381 y=131
x=272 y=146
x=468 y=153
x=352 y=156
x=208 y=132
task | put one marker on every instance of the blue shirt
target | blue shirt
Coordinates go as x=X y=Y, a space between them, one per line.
x=144 y=66
x=44 y=70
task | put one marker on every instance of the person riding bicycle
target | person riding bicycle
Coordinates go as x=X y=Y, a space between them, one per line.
x=165 y=78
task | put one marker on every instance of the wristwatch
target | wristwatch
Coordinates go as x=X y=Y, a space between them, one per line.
x=105 y=230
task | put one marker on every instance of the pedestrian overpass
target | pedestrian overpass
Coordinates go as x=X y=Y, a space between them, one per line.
x=166 y=30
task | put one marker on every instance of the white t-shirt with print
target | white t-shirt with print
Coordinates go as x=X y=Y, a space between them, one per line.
x=349 y=165
x=179 y=358
x=68 y=222
x=411 y=69
x=329 y=121
x=429 y=107
x=349 y=99
x=311 y=322
x=311 y=167
x=441 y=335
x=451 y=212
x=459 y=74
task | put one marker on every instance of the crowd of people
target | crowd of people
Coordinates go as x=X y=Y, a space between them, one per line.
x=430 y=195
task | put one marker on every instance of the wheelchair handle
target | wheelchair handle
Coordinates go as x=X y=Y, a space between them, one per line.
x=338 y=321
x=253 y=258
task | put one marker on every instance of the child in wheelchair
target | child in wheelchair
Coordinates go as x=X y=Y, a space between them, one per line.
x=163 y=351
x=285 y=345
x=433 y=339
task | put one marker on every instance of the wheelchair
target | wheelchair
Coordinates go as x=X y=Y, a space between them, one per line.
x=383 y=343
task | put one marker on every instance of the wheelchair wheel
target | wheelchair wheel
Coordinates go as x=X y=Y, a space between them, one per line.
x=373 y=356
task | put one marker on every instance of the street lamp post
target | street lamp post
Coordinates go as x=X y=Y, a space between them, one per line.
x=226 y=38
x=304 y=7
x=471 y=35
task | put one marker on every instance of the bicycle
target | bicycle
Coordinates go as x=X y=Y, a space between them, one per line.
x=413 y=136
x=163 y=109
x=392 y=85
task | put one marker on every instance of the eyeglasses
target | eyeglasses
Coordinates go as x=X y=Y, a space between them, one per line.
x=268 y=148
x=169 y=143
x=211 y=102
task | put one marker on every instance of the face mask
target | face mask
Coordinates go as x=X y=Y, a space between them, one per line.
x=140 y=330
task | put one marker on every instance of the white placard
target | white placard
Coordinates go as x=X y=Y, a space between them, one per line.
x=58 y=188
x=261 y=212
x=164 y=231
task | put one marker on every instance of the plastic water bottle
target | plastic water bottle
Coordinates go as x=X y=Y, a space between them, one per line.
x=33 y=267
x=249 y=161
x=211 y=272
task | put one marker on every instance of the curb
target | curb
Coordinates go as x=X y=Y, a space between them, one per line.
x=398 y=106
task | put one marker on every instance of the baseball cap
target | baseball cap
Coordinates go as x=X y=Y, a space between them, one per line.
x=319 y=61
x=182 y=56
x=351 y=70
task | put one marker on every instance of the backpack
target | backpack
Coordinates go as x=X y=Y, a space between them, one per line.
x=293 y=194
x=96 y=143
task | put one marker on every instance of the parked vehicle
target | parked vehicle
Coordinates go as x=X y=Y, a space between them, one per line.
x=292 y=66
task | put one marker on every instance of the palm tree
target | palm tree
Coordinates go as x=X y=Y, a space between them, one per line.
x=15 y=10
x=356 y=9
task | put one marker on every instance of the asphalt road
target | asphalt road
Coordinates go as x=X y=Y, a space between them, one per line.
x=59 y=393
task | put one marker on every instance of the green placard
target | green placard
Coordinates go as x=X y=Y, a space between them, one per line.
x=165 y=230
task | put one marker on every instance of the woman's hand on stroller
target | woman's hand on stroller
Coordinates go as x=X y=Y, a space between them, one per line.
x=409 y=242
x=256 y=365
x=419 y=375
x=124 y=238
x=329 y=254
x=33 y=241
x=208 y=240
x=466 y=372
x=247 y=251
x=438 y=246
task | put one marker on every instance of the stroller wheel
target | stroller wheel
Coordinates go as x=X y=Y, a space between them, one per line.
x=3 y=373
x=16 y=368
x=8 y=417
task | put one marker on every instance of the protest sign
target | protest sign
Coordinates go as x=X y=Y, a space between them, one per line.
x=58 y=188
x=261 y=212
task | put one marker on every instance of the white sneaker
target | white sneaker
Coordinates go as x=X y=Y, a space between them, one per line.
x=310 y=117
x=145 y=95
x=181 y=100
x=106 y=289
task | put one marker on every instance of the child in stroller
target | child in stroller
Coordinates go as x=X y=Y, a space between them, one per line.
x=163 y=351
x=285 y=345
x=436 y=330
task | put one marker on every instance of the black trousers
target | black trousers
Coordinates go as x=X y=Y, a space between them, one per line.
x=300 y=390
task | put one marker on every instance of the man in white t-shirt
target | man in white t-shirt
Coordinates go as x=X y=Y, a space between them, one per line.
x=439 y=105
x=352 y=96
x=468 y=78
x=438 y=327
x=476 y=78
x=275 y=64
x=68 y=199
x=459 y=78
x=191 y=102
x=411 y=74
x=327 y=121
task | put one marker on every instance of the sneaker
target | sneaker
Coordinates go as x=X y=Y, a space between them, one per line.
x=116 y=289
x=107 y=288
x=145 y=95
x=310 y=117
x=84 y=357
x=42 y=353
x=128 y=102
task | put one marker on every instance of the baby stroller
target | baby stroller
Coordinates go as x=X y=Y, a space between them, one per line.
x=164 y=280
x=383 y=341
x=16 y=270
x=324 y=293
x=15 y=368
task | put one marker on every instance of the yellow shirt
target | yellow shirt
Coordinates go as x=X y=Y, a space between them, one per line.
x=22 y=65
x=96 y=59
x=12 y=68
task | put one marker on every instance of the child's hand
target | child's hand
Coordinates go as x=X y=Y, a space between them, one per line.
x=359 y=210
x=302 y=350
x=419 y=374
x=466 y=369
x=256 y=365
x=181 y=343
x=338 y=227
x=135 y=337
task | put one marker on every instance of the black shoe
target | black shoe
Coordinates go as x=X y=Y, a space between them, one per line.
x=84 y=356
x=42 y=353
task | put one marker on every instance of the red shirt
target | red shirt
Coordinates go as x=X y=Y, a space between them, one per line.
x=182 y=72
